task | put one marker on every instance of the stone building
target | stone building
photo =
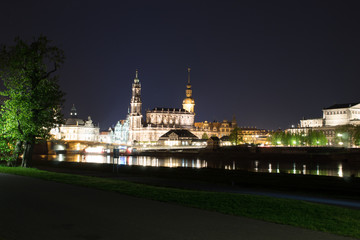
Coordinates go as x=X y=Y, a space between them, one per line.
x=335 y=116
x=178 y=137
x=106 y=136
x=253 y=135
x=76 y=129
x=157 y=122
x=170 y=118
x=121 y=131
x=218 y=129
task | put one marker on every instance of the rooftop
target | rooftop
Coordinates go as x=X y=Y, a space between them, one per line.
x=181 y=133
x=342 y=105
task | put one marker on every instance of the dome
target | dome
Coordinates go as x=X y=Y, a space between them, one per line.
x=74 y=121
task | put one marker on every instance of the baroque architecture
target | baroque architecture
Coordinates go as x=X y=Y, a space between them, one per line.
x=76 y=129
x=158 y=121
x=218 y=129
x=334 y=116
x=189 y=102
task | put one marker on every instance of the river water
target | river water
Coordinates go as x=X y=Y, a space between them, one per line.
x=325 y=168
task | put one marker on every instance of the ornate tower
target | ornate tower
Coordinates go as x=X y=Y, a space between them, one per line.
x=73 y=112
x=189 y=102
x=135 y=104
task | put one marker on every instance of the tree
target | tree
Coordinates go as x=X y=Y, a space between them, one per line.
x=205 y=136
x=235 y=136
x=315 y=138
x=344 y=135
x=356 y=135
x=33 y=96
x=276 y=138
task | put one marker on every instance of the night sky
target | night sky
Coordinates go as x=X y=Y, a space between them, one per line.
x=270 y=63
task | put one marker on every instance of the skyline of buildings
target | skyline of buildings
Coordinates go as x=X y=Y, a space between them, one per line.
x=148 y=129
x=156 y=123
x=334 y=116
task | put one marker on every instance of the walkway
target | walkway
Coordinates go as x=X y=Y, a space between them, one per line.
x=37 y=209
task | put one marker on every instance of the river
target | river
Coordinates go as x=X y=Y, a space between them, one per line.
x=324 y=168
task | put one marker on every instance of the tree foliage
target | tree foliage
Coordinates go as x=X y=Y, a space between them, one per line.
x=347 y=135
x=205 y=136
x=33 y=98
x=311 y=138
x=235 y=136
x=356 y=135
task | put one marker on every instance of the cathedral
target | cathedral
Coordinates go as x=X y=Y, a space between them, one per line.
x=147 y=129
x=157 y=121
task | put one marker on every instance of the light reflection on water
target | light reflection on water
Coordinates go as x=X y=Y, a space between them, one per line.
x=331 y=168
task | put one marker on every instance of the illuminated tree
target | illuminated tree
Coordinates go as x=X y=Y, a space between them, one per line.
x=33 y=96
x=276 y=138
x=316 y=138
x=205 y=136
x=356 y=135
x=312 y=138
x=347 y=135
x=235 y=136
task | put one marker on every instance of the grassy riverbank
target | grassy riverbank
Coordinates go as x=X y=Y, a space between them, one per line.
x=320 y=186
x=292 y=212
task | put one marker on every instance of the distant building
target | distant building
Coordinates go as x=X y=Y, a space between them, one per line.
x=253 y=135
x=170 y=118
x=213 y=142
x=106 y=136
x=225 y=141
x=333 y=117
x=121 y=131
x=76 y=129
x=157 y=122
x=179 y=137
x=218 y=129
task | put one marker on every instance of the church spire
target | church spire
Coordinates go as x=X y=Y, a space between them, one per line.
x=136 y=80
x=189 y=75
x=73 y=111
x=135 y=103
x=188 y=86
x=189 y=103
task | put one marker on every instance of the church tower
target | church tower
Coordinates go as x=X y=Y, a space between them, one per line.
x=135 y=104
x=73 y=112
x=189 y=102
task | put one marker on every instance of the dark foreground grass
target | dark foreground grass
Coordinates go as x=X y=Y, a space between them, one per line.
x=319 y=217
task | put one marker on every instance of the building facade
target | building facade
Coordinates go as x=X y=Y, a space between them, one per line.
x=334 y=117
x=76 y=129
x=211 y=129
x=158 y=121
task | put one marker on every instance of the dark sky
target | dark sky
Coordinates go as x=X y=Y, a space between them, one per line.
x=270 y=63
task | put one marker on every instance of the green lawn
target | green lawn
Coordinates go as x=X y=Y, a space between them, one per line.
x=319 y=217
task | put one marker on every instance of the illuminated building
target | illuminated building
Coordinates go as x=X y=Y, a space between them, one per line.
x=179 y=137
x=334 y=116
x=157 y=122
x=252 y=135
x=121 y=131
x=106 y=136
x=218 y=129
x=76 y=129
